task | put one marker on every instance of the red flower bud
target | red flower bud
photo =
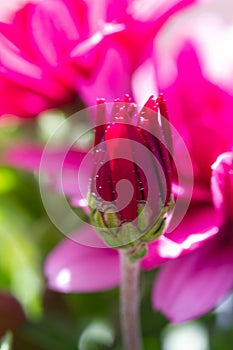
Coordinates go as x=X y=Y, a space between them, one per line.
x=130 y=190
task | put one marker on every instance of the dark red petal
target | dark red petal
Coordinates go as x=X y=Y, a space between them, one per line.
x=153 y=130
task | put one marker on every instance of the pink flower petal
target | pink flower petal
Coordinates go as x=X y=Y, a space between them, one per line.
x=35 y=48
x=29 y=157
x=28 y=72
x=26 y=101
x=56 y=18
x=8 y=9
x=193 y=284
x=199 y=225
x=63 y=168
x=150 y=10
x=72 y=267
x=124 y=41
x=112 y=79
x=199 y=99
x=222 y=183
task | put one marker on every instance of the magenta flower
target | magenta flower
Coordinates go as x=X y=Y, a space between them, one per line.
x=54 y=50
x=197 y=104
x=203 y=277
x=199 y=94
x=36 y=70
x=200 y=100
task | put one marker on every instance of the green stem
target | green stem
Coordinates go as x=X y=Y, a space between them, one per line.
x=129 y=302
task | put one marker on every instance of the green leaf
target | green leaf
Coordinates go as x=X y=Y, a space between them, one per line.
x=95 y=336
x=19 y=263
x=8 y=180
x=6 y=342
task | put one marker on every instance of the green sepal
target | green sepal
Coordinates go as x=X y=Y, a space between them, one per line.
x=144 y=216
x=138 y=253
x=97 y=220
x=160 y=224
x=111 y=219
x=92 y=202
x=155 y=232
x=117 y=234
x=123 y=236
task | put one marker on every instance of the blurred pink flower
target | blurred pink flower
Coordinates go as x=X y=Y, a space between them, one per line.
x=196 y=79
x=199 y=281
x=28 y=157
x=200 y=102
x=36 y=72
x=55 y=49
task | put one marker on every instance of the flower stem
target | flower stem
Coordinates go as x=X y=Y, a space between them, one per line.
x=129 y=302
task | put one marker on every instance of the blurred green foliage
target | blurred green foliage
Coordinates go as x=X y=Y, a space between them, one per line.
x=19 y=263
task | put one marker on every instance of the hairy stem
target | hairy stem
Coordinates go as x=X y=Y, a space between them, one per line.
x=129 y=301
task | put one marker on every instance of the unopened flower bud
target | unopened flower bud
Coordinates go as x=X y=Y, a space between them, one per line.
x=130 y=194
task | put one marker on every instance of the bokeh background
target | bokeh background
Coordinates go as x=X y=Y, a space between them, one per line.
x=41 y=319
